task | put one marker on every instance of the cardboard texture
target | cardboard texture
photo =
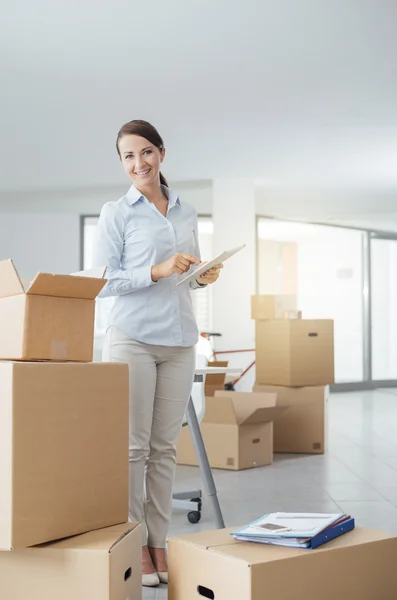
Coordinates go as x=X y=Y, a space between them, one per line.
x=295 y=353
x=360 y=564
x=303 y=428
x=272 y=306
x=237 y=430
x=215 y=381
x=63 y=450
x=100 y=565
x=50 y=318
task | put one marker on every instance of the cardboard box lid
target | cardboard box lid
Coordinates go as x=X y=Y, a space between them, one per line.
x=221 y=542
x=101 y=540
x=234 y=408
x=216 y=378
x=84 y=285
x=10 y=282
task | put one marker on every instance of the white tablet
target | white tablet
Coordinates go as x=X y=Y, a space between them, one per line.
x=209 y=264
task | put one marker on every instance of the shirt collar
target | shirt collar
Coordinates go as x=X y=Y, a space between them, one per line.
x=134 y=195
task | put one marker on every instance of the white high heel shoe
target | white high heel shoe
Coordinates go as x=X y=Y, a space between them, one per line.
x=150 y=580
x=163 y=576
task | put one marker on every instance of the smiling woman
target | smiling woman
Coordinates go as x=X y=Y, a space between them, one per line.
x=147 y=239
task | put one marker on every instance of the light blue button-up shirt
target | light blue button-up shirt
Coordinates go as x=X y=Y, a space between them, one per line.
x=131 y=237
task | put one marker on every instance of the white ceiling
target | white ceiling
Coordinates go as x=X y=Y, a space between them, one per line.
x=284 y=91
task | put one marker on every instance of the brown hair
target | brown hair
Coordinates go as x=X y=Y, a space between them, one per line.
x=145 y=130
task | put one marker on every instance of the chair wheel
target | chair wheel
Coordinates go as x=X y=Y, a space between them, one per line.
x=194 y=516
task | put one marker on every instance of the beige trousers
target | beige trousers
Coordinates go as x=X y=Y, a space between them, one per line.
x=161 y=379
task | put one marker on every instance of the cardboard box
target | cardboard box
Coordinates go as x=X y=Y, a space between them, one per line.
x=237 y=430
x=303 y=428
x=100 y=565
x=358 y=565
x=215 y=381
x=50 y=318
x=295 y=353
x=272 y=306
x=63 y=450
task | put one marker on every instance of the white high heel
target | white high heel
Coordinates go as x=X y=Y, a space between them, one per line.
x=150 y=580
x=163 y=576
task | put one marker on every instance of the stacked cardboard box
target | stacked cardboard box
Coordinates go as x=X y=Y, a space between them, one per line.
x=63 y=447
x=295 y=360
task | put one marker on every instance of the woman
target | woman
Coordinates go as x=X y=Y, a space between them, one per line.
x=147 y=239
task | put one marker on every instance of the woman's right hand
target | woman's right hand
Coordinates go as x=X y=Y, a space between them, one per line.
x=179 y=263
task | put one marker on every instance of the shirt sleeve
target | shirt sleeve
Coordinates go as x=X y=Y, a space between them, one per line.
x=108 y=251
x=194 y=285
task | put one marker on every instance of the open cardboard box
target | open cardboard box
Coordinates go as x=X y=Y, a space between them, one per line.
x=49 y=318
x=237 y=430
x=103 y=564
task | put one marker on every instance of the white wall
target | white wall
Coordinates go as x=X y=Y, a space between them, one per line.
x=89 y=200
x=40 y=242
x=40 y=230
x=337 y=205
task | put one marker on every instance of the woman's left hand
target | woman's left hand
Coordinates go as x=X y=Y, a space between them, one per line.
x=209 y=276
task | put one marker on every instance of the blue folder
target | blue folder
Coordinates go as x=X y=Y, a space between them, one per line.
x=331 y=533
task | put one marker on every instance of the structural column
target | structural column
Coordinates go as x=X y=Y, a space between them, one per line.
x=234 y=221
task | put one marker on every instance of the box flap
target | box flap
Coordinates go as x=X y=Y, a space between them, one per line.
x=96 y=272
x=264 y=415
x=66 y=286
x=208 y=539
x=101 y=539
x=219 y=410
x=246 y=404
x=216 y=378
x=10 y=282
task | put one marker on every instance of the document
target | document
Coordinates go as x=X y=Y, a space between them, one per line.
x=296 y=530
x=210 y=264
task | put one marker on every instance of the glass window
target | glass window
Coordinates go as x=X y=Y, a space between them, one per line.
x=384 y=308
x=323 y=266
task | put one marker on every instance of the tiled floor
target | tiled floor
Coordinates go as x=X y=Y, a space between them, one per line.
x=358 y=475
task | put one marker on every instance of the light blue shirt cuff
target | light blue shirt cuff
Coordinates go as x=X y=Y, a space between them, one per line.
x=194 y=285
x=142 y=277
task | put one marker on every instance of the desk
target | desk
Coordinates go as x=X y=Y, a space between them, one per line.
x=186 y=499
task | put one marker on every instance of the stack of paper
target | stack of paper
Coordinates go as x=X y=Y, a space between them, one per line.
x=296 y=530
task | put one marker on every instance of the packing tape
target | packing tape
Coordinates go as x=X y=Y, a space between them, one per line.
x=59 y=350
